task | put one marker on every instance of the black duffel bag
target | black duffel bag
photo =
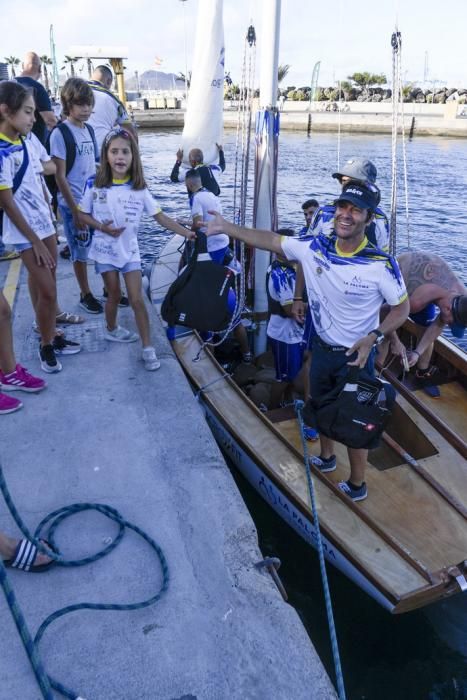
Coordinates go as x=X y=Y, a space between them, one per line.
x=201 y=296
x=355 y=412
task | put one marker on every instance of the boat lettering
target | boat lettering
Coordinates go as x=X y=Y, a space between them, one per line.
x=293 y=516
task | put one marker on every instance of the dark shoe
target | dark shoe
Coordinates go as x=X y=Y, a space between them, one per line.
x=49 y=362
x=123 y=303
x=324 y=465
x=62 y=346
x=90 y=304
x=356 y=494
x=65 y=253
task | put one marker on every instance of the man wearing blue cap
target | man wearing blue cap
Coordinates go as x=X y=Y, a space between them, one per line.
x=364 y=172
x=437 y=298
x=347 y=280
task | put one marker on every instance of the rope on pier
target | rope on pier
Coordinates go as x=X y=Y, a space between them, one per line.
x=46 y=530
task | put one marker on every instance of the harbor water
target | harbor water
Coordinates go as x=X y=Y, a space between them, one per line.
x=384 y=657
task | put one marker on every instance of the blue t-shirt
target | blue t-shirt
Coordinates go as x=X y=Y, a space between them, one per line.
x=43 y=104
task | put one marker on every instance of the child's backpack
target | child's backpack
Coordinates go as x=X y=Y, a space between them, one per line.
x=70 y=149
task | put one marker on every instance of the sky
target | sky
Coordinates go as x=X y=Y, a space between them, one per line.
x=345 y=36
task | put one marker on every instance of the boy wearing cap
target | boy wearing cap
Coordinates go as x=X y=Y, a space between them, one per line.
x=362 y=171
x=437 y=298
x=347 y=281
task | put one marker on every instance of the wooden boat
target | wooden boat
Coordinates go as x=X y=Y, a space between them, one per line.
x=406 y=545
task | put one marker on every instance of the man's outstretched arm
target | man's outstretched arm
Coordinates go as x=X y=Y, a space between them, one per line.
x=265 y=240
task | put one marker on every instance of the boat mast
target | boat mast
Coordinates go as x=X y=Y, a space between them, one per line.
x=267 y=138
x=54 y=61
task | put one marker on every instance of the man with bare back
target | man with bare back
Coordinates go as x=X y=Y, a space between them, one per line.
x=437 y=298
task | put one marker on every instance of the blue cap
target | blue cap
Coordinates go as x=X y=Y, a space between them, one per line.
x=360 y=195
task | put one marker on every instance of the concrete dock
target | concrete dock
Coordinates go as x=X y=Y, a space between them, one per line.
x=107 y=431
x=364 y=118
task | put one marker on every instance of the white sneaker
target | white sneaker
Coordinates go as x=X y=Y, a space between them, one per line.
x=150 y=359
x=120 y=335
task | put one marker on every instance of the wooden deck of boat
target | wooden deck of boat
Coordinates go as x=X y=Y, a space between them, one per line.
x=406 y=533
x=451 y=406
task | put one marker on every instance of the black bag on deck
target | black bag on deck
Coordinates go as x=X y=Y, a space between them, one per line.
x=199 y=297
x=355 y=412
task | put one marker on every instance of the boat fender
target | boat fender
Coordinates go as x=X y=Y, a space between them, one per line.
x=202 y=296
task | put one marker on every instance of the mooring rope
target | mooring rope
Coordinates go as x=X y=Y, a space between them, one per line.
x=322 y=563
x=46 y=530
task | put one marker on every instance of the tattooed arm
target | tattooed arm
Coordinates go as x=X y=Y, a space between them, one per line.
x=427 y=278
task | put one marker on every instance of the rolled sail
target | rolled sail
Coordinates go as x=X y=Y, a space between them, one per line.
x=203 y=120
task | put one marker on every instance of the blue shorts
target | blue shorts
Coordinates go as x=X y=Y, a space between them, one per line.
x=288 y=359
x=129 y=267
x=309 y=331
x=426 y=316
x=78 y=252
x=19 y=247
x=329 y=367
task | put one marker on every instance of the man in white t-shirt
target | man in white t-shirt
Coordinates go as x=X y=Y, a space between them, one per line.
x=108 y=111
x=347 y=281
x=201 y=203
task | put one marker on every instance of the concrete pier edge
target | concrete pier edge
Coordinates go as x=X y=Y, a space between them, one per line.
x=107 y=431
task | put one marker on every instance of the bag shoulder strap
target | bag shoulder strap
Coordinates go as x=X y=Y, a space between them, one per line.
x=18 y=178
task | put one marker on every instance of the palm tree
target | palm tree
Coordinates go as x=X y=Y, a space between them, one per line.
x=46 y=61
x=70 y=60
x=12 y=62
x=282 y=71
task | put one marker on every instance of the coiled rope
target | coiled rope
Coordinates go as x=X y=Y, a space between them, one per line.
x=46 y=530
x=322 y=563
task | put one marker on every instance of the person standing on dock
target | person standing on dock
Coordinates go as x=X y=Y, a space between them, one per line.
x=113 y=204
x=45 y=118
x=108 y=111
x=209 y=173
x=347 y=280
x=77 y=101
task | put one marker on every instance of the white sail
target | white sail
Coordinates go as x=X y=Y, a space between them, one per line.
x=203 y=119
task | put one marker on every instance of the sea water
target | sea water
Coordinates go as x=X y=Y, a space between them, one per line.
x=384 y=657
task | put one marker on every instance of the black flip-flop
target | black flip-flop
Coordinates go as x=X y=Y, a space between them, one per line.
x=25 y=555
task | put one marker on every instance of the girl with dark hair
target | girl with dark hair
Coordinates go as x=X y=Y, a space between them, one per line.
x=27 y=224
x=113 y=204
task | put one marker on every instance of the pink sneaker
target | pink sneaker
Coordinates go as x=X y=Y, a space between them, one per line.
x=8 y=404
x=21 y=380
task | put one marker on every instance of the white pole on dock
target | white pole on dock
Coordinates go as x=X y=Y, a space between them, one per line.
x=267 y=135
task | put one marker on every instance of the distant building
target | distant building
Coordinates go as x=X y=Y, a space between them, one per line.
x=4 y=71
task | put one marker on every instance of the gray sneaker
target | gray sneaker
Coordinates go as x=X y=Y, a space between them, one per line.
x=120 y=335
x=150 y=360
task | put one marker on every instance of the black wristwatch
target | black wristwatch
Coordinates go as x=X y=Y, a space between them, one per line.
x=379 y=336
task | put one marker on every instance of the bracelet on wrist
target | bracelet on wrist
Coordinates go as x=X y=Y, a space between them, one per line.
x=298 y=298
x=416 y=352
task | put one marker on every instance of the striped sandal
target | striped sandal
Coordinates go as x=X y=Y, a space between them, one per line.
x=25 y=555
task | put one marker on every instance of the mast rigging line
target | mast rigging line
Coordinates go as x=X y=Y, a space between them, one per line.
x=397 y=116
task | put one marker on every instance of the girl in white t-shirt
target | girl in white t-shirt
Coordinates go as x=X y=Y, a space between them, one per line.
x=113 y=204
x=27 y=224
